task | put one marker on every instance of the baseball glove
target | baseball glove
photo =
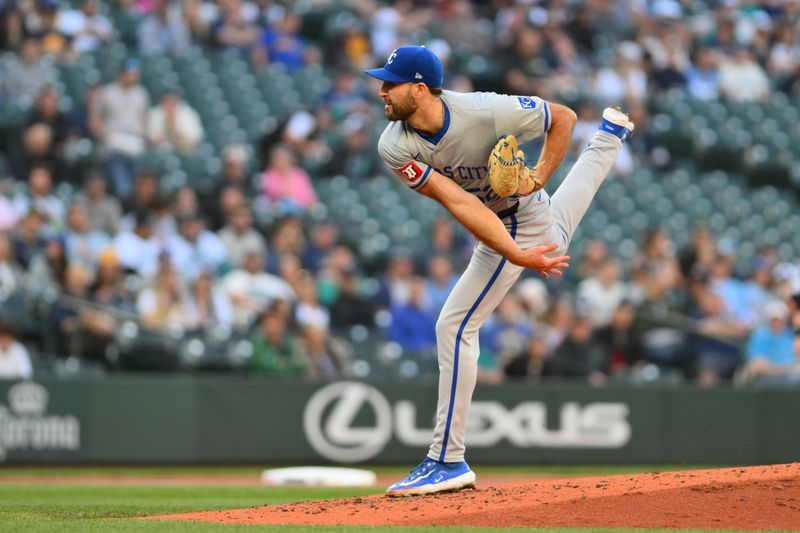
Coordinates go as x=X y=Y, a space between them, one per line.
x=508 y=174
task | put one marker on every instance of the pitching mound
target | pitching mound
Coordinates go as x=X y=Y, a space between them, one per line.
x=753 y=498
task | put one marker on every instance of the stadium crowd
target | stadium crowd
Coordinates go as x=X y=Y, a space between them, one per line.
x=118 y=246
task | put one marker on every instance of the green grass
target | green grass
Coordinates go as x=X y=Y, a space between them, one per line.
x=35 y=507
x=255 y=470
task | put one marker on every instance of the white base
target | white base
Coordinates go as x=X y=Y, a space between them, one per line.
x=319 y=476
x=465 y=480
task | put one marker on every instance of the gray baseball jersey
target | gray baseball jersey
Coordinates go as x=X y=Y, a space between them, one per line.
x=473 y=123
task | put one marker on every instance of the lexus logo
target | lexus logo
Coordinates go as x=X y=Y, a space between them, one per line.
x=329 y=417
x=329 y=420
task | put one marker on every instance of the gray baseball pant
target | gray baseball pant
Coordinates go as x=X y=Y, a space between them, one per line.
x=489 y=277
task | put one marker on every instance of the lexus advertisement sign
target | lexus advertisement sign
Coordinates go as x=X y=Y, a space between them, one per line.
x=353 y=422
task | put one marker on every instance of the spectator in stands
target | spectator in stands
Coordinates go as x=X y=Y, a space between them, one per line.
x=557 y=322
x=240 y=237
x=234 y=178
x=231 y=30
x=626 y=80
x=146 y=196
x=594 y=256
x=12 y=28
x=756 y=289
x=507 y=332
x=210 y=306
x=323 y=239
x=287 y=243
x=164 y=30
x=37 y=149
x=87 y=29
x=702 y=77
x=413 y=324
x=251 y=290
x=657 y=258
x=99 y=321
x=83 y=244
x=139 y=248
x=47 y=32
x=276 y=352
x=15 y=363
x=46 y=111
x=46 y=269
x=40 y=198
x=174 y=125
x=620 y=342
x=530 y=363
x=697 y=258
x=286 y=185
x=29 y=237
x=108 y=288
x=395 y=286
x=313 y=321
x=27 y=74
x=443 y=240
x=103 y=210
x=166 y=303
x=355 y=155
x=65 y=314
x=731 y=291
x=282 y=43
x=194 y=248
x=351 y=307
x=661 y=328
x=770 y=352
x=10 y=271
x=600 y=295
x=118 y=119
x=8 y=212
x=440 y=282
x=345 y=99
x=579 y=355
x=741 y=79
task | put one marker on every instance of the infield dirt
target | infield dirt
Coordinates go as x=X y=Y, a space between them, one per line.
x=747 y=498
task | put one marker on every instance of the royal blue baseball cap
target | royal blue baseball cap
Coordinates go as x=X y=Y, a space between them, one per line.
x=415 y=64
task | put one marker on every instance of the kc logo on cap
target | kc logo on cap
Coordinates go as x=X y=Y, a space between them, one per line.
x=414 y=64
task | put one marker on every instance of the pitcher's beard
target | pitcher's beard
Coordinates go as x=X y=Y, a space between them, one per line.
x=400 y=111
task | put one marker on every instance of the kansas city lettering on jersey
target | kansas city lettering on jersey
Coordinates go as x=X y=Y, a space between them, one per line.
x=464 y=173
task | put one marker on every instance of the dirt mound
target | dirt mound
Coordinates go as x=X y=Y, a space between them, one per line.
x=752 y=498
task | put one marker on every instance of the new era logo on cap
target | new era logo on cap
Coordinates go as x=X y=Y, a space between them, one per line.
x=411 y=64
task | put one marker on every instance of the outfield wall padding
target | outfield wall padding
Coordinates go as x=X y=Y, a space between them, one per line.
x=234 y=419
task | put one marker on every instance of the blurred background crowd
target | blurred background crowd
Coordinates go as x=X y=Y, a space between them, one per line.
x=193 y=185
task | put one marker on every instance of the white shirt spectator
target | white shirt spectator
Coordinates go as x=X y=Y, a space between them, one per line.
x=123 y=111
x=240 y=244
x=252 y=292
x=89 y=30
x=137 y=253
x=742 y=79
x=15 y=363
x=8 y=214
x=308 y=315
x=190 y=258
x=600 y=295
x=164 y=30
x=27 y=73
x=174 y=125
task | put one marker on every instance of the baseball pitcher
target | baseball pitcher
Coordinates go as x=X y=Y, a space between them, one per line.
x=461 y=150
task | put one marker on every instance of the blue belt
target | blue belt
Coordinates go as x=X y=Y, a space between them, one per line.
x=508 y=211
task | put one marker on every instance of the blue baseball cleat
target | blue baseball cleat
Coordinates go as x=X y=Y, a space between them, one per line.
x=432 y=476
x=617 y=123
